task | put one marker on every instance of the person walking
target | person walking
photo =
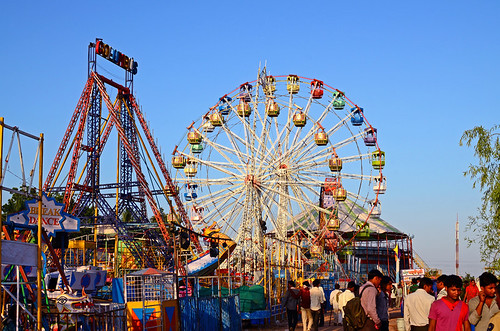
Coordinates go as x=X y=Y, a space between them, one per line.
x=383 y=302
x=417 y=306
x=471 y=291
x=368 y=296
x=305 y=306
x=290 y=301
x=484 y=306
x=317 y=299
x=323 y=308
x=399 y=296
x=494 y=323
x=334 y=302
x=449 y=313
x=347 y=295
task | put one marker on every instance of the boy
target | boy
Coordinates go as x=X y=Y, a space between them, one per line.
x=483 y=306
x=450 y=313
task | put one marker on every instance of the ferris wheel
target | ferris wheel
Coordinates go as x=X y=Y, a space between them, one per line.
x=282 y=154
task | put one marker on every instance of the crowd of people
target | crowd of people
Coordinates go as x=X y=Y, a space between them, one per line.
x=446 y=304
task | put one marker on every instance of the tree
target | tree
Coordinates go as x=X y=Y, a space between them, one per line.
x=16 y=202
x=485 y=226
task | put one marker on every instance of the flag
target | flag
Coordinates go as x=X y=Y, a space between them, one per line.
x=396 y=250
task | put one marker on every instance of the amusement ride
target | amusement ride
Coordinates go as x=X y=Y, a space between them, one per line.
x=276 y=180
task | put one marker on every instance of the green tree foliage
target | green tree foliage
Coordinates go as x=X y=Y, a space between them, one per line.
x=485 y=226
x=16 y=202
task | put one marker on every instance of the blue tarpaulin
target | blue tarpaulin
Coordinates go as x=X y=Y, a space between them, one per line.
x=117 y=290
x=205 y=313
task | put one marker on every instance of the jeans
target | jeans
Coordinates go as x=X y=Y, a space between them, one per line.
x=315 y=317
x=293 y=318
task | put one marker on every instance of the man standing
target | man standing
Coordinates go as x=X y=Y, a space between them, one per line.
x=383 y=302
x=449 y=313
x=495 y=320
x=305 y=306
x=334 y=301
x=347 y=295
x=414 y=285
x=440 y=281
x=368 y=296
x=290 y=301
x=484 y=306
x=417 y=306
x=317 y=298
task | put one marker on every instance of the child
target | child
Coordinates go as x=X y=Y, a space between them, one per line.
x=449 y=313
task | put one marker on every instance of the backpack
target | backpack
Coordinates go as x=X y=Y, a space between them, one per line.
x=354 y=314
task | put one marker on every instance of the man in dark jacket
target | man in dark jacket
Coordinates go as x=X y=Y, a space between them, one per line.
x=290 y=301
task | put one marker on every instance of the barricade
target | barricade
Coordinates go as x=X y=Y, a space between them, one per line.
x=101 y=321
x=211 y=313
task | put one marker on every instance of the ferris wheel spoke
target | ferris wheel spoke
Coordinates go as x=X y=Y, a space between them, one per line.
x=298 y=192
x=263 y=152
x=299 y=130
x=325 y=111
x=244 y=141
x=303 y=143
x=209 y=182
x=219 y=194
x=295 y=199
x=358 y=176
x=230 y=215
x=231 y=136
x=223 y=206
x=348 y=140
x=286 y=212
x=355 y=158
x=312 y=156
x=231 y=164
x=223 y=150
x=212 y=165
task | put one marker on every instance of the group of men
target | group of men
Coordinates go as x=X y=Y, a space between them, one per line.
x=429 y=306
x=446 y=311
x=311 y=301
x=374 y=296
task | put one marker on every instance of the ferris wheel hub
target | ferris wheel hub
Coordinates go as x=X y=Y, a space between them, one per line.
x=251 y=180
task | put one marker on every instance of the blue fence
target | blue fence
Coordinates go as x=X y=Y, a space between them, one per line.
x=205 y=313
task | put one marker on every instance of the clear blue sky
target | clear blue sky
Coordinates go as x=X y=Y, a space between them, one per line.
x=423 y=71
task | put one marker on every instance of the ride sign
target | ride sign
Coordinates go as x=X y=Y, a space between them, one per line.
x=53 y=218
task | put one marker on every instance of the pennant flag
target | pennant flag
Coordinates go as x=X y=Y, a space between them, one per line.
x=396 y=250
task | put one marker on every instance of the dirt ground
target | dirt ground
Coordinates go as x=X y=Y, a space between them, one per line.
x=394 y=314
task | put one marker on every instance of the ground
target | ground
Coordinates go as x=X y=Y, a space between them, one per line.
x=393 y=313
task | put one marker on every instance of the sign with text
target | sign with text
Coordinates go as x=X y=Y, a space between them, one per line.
x=53 y=218
x=408 y=274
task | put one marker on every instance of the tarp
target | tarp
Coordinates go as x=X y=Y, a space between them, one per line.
x=350 y=214
x=19 y=253
x=148 y=272
x=251 y=298
x=117 y=290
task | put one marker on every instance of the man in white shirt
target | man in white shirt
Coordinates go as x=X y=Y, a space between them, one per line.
x=334 y=301
x=317 y=298
x=345 y=297
x=417 y=306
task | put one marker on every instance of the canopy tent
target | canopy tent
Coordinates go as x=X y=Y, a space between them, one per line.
x=350 y=215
